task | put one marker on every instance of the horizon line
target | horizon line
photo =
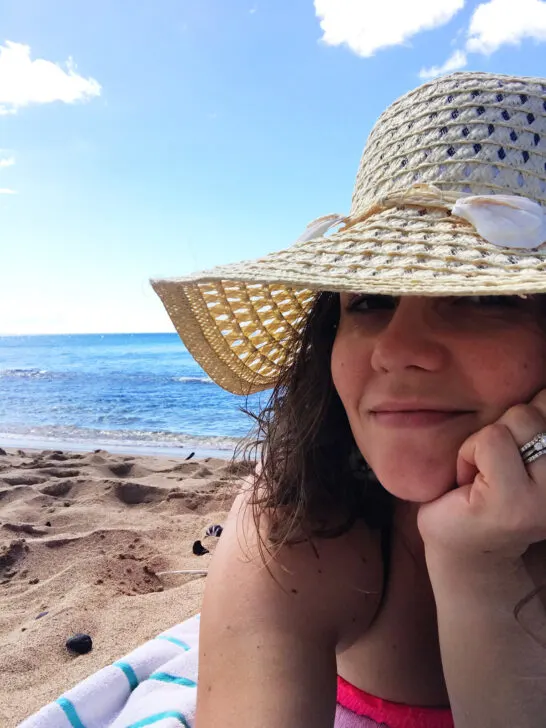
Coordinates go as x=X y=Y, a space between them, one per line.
x=91 y=333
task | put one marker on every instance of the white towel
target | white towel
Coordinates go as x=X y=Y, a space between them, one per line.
x=155 y=685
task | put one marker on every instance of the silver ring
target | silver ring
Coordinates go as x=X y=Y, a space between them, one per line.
x=534 y=449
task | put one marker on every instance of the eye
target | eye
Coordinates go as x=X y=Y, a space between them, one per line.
x=364 y=303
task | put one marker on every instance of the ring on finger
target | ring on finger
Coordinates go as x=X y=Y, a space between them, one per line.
x=534 y=449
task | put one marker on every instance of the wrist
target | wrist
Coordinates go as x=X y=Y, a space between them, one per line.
x=489 y=574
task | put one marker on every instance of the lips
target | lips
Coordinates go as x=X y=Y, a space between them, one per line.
x=415 y=414
x=414 y=407
x=396 y=414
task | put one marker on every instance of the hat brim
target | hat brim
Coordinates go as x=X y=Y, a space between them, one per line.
x=236 y=320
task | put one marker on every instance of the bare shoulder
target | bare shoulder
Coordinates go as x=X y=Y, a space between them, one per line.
x=330 y=583
x=280 y=623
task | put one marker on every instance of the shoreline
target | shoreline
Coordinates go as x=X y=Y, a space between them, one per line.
x=20 y=442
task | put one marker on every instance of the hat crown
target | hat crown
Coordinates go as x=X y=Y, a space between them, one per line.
x=473 y=133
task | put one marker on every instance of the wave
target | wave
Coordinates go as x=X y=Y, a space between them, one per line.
x=76 y=374
x=200 y=380
x=24 y=373
x=141 y=440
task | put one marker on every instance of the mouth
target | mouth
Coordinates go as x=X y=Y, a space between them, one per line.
x=416 y=417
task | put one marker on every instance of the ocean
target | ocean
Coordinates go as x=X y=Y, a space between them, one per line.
x=123 y=392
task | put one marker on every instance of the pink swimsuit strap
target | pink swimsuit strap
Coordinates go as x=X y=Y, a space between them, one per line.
x=396 y=715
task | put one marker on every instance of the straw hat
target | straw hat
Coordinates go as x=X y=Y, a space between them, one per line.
x=415 y=227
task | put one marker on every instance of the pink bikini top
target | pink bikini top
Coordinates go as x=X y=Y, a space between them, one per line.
x=393 y=715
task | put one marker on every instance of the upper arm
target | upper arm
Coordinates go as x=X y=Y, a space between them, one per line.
x=269 y=635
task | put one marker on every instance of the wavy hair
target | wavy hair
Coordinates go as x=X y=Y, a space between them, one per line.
x=313 y=480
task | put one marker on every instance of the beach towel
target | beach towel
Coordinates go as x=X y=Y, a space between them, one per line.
x=156 y=685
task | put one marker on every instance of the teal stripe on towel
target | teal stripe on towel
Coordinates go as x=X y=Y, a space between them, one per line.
x=179 y=643
x=129 y=673
x=165 y=677
x=70 y=712
x=160 y=716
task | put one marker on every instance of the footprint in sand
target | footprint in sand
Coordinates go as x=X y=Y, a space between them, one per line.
x=241 y=468
x=61 y=472
x=134 y=493
x=60 y=456
x=24 y=528
x=23 y=479
x=12 y=553
x=59 y=488
x=186 y=468
x=121 y=469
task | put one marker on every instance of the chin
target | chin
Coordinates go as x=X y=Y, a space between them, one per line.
x=417 y=483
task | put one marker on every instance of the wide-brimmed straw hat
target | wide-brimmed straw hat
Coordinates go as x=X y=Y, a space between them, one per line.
x=422 y=222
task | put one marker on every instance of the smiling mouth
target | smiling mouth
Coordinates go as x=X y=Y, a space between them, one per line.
x=416 y=417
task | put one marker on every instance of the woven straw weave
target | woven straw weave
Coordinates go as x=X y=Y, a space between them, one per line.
x=468 y=133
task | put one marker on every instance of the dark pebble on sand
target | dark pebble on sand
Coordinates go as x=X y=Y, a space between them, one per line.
x=198 y=549
x=79 y=643
x=48 y=523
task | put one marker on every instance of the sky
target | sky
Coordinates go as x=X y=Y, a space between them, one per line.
x=155 y=138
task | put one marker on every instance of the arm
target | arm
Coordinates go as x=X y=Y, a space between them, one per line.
x=266 y=658
x=495 y=671
x=268 y=641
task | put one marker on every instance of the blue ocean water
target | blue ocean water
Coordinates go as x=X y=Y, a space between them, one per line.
x=126 y=391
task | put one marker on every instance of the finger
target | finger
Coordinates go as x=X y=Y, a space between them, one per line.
x=525 y=421
x=466 y=465
x=494 y=453
x=539 y=402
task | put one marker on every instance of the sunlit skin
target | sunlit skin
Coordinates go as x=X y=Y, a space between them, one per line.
x=454 y=365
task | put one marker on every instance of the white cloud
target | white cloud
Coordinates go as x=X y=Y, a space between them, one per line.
x=455 y=62
x=494 y=24
x=24 y=81
x=499 y=22
x=7 y=162
x=7 y=191
x=367 y=26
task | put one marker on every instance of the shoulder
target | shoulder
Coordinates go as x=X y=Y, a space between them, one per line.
x=328 y=587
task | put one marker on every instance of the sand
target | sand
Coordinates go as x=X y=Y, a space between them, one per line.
x=82 y=539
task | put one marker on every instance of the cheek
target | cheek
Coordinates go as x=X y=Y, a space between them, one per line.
x=350 y=370
x=509 y=374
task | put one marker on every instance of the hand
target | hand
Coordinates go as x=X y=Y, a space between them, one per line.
x=499 y=507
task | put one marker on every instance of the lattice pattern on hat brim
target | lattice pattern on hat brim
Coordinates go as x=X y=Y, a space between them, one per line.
x=236 y=331
x=236 y=320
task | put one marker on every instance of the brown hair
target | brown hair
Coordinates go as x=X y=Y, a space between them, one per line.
x=313 y=482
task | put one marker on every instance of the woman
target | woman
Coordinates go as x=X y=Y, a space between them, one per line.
x=386 y=567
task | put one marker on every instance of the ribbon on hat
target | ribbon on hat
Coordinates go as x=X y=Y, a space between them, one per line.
x=507 y=221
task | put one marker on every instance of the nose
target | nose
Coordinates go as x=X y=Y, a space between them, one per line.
x=409 y=340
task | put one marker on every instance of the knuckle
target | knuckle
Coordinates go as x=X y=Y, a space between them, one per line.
x=521 y=415
x=495 y=433
x=540 y=399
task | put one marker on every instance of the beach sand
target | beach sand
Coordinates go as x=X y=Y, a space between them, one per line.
x=82 y=538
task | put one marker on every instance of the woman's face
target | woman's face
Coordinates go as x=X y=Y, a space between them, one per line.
x=418 y=375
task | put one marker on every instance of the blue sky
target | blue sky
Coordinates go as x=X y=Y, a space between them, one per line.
x=145 y=138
